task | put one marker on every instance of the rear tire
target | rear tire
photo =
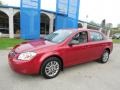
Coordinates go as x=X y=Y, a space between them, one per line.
x=51 y=67
x=105 y=57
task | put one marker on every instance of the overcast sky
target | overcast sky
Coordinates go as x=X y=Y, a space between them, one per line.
x=97 y=10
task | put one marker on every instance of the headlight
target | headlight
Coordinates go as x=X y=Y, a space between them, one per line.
x=27 y=56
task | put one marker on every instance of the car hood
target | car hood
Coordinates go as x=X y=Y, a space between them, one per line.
x=32 y=45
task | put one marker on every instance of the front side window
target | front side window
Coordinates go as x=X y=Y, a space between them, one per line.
x=58 y=36
x=95 y=36
x=81 y=37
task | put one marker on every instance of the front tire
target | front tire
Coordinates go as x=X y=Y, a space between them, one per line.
x=51 y=67
x=105 y=57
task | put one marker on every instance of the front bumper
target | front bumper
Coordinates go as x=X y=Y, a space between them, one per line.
x=24 y=67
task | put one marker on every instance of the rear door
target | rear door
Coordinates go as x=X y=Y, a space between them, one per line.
x=95 y=45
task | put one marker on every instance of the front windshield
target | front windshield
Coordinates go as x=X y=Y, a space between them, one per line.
x=58 y=36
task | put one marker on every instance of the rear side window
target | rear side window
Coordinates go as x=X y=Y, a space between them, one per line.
x=95 y=36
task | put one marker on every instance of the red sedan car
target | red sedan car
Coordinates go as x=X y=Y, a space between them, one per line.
x=60 y=49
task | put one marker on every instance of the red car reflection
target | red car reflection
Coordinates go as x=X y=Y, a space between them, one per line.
x=60 y=49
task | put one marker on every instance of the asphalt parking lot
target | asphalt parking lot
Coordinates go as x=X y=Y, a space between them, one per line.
x=89 y=76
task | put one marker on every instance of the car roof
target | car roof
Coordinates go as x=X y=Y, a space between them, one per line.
x=80 y=29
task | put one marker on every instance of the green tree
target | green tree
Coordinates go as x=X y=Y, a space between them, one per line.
x=118 y=26
x=109 y=25
x=93 y=25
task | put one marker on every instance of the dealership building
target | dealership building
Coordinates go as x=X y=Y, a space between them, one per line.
x=10 y=21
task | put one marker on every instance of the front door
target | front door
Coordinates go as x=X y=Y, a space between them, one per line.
x=77 y=52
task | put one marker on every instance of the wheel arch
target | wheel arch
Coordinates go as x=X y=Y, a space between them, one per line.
x=108 y=49
x=51 y=55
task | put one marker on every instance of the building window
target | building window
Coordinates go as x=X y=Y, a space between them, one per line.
x=4 y=25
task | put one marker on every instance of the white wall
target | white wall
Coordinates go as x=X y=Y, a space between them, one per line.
x=10 y=12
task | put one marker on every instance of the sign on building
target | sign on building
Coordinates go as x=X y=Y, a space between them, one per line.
x=30 y=19
x=67 y=14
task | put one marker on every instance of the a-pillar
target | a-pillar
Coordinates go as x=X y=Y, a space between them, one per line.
x=11 y=25
x=51 y=24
